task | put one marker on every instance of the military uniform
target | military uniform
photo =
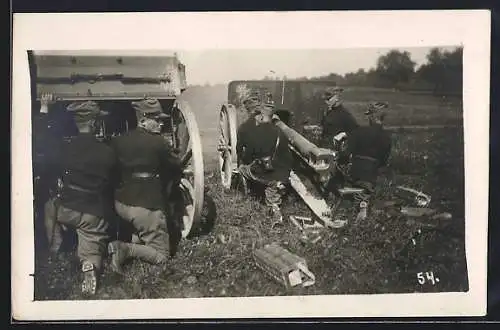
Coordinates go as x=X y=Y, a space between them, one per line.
x=370 y=148
x=147 y=165
x=85 y=167
x=337 y=118
x=256 y=143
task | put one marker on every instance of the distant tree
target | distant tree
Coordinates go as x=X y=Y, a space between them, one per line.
x=395 y=67
x=444 y=69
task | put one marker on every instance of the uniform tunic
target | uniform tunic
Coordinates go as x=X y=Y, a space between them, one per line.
x=82 y=161
x=370 y=147
x=244 y=134
x=141 y=151
x=336 y=121
x=261 y=141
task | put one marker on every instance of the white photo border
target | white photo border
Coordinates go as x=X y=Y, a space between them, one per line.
x=263 y=30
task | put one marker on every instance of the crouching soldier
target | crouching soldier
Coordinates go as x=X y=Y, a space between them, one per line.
x=147 y=165
x=85 y=167
x=370 y=147
x=265 y=158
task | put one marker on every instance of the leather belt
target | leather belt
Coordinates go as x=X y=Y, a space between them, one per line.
x=144 y=175
x=78 y=188
x=366 y=158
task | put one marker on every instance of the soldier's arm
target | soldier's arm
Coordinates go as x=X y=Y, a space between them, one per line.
x=351 y=123
x=352 y=141
x=170 y=162
x=47 y=143
x=283 y=152
x=240 y=144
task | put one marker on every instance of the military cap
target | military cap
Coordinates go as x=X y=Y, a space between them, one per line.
x=266 y=109
x=149 y=106
x=376 y=108
x=331 y=91
x=85 y=110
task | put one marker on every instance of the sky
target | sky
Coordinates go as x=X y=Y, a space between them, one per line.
x=221 y=66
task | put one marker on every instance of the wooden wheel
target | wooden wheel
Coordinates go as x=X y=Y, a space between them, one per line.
x=192 y=185
x=227 y=144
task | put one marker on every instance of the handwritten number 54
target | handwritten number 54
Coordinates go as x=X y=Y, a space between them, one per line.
x=422 y=278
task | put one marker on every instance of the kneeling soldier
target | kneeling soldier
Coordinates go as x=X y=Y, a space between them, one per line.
x=148 y=165
x=370 y=147
x=265 y=158
x=85 y=165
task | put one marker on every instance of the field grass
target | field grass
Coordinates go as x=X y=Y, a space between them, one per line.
x=374 y=256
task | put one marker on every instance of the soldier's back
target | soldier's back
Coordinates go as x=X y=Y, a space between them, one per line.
x=87 y=163
x=369 y=140
x=140 y=151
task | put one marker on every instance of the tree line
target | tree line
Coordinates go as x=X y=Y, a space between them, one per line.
x=440 y=74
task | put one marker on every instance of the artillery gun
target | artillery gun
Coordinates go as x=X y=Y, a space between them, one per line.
x=114 y=79
x=299 y=107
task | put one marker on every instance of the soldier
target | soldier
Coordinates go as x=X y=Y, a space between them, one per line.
x=337 y=118
x=246 y=128
x=370 y=147
x=45 y=146
x=147 y=167
x=266 y=158
x=85 y=166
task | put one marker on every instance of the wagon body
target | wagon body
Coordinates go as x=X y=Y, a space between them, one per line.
x=112 y=75
x=113 y=79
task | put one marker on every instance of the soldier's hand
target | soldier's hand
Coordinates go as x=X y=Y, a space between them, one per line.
x=46 y=100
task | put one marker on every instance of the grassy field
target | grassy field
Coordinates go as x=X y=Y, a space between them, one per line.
x=375 y=256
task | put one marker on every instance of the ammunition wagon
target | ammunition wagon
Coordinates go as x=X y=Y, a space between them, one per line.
x=114 y=79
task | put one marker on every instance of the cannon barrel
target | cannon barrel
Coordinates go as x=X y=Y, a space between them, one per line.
x=319 y=159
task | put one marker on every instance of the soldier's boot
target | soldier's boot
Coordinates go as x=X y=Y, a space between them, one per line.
x=89 y=283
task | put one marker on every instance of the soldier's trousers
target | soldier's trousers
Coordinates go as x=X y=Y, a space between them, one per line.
x=151 y=227
x=92 y=231
x=273 y=190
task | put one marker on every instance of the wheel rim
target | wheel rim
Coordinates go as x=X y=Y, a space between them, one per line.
x=227 y=144
x=193 y=182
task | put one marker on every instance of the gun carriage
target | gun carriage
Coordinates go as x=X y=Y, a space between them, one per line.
x=114 y=79
x=300 y=107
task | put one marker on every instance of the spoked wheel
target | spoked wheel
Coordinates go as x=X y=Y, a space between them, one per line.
x=227 y=144
x=192 y=184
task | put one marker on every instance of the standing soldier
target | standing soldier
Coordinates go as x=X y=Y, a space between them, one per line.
x=370 y=147
x=337 y=118
x=266 y=159
x=45 y=146
x=246 y=128
x=148 y=165
x=85 y=167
